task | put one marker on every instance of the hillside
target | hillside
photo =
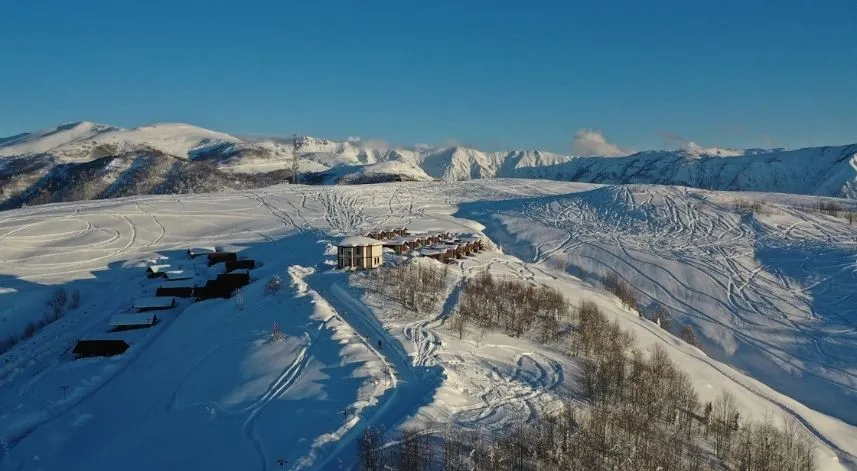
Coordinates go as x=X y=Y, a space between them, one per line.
x=767 y=290
x=53 y=165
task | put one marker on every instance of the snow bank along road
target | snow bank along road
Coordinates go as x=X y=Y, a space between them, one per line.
x=769 y=293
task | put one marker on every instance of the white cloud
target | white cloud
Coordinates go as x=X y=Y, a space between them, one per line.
x=593 y=142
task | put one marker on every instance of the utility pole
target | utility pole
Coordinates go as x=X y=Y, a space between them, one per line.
x=295 y=147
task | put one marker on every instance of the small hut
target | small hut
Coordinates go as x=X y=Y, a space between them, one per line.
x=245 y=264
x=359 y=253
x=133 y=321
x=99 y=348
x=221 y=257
x=154 y=304
x=176 y=275
x=178 y=289
x=234 y=280
x=197 y=251
x=156 y=271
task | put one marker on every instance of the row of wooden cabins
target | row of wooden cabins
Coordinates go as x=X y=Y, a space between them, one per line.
x=366 y=252
x=178 y=284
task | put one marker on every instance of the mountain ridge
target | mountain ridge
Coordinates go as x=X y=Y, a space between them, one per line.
x=32 y=162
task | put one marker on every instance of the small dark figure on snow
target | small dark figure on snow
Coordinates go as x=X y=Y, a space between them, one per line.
x=379 y=344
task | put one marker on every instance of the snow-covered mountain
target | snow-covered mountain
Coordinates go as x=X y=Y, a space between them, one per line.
x=86 y=160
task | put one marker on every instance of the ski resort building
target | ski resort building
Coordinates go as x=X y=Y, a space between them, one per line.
x=359 y=253
x=99 y=348
x=133 y=321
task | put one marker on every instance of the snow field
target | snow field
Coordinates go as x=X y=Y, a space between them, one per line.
x=211 y=374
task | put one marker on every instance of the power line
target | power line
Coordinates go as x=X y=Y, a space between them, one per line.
x=295 y=147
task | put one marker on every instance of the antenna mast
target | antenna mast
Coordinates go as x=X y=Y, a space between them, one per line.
x=295 y=147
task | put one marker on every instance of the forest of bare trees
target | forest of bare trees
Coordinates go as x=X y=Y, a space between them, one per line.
x=641 y=410
x=488 y=302
x=418 y=286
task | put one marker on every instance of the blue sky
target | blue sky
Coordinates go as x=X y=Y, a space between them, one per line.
x=492 y=74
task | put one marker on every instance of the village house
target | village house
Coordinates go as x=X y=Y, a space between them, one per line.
x=359 y=253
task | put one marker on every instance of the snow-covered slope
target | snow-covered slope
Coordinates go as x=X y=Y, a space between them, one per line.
x=769 y=291
x=32 y=166
x=47 y=140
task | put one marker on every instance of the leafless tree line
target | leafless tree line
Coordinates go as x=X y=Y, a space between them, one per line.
x=419 y=286
x=622 y=290
x=58 y=304
x=835 y=210
x=642 y=413
x=488 y=302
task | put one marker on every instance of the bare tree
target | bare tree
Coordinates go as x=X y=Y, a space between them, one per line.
x=370 y=451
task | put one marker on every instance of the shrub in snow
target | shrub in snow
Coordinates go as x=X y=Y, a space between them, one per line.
x=57 y=303
x=689 y=335
x=75 y=300
x=273 y=285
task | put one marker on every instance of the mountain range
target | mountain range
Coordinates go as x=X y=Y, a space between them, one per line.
x=85 y=160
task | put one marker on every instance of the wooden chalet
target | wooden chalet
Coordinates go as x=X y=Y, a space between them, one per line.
x=453 y=250
x=440 y=254
x=99 y=348
x=154 y=304
x=133 y=321
x=398 y=245
x=221 y=257
x=240 y=265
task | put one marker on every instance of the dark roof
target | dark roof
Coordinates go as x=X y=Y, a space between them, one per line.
x=100 y=347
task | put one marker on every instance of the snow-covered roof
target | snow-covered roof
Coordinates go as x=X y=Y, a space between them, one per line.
x=432 y=251
x=200 y=250
x=124 y=320
x=178 y=275
x=148 y=303
x=179 y=284
x=358 y=241
x=157 y=268
x=445 y=246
